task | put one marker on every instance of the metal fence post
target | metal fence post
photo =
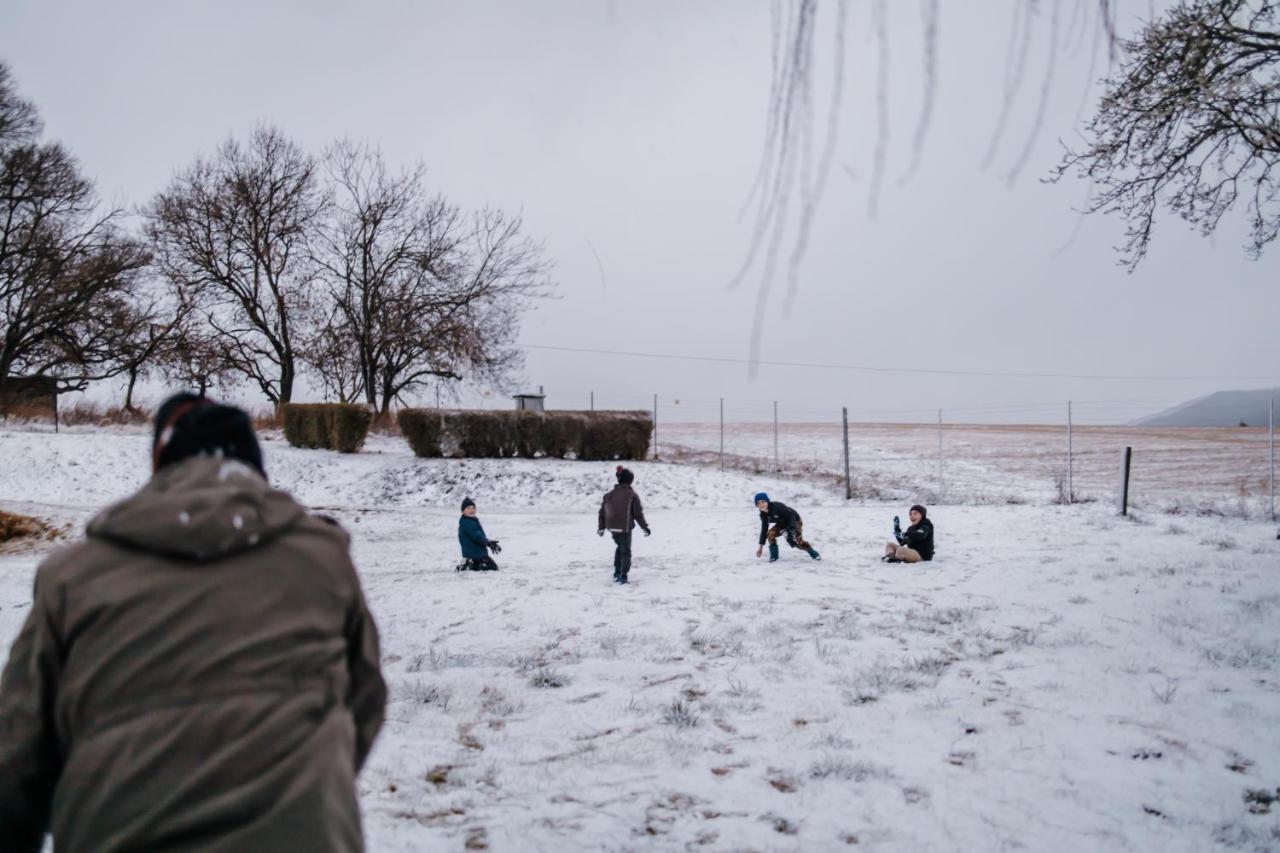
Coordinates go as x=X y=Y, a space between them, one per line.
x=848 y=484
x=777 y=464
x=1071 y=491
x=655 y=427
x=1271 y=439
x=593 y=401
x=941 y=483
x=722 y=433
x=1124 y=481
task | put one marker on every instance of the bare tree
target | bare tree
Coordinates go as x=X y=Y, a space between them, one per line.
x=419 y=291
x=194 y=358
x=67 y=270
x=333 y=355
x=148 y=331
x=1190 y=123
x=234 y=230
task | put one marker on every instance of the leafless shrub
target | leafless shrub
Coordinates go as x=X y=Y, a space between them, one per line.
x=878 y=680
x=420 y=692
x=437 y=658
x=494 y=701
x=1222 y=543
x=935 y=620
x=1243 y=835
x=548 y=677
x=836 y=767
x=1022 y=637
x=680 y=714
x=1260 y=606
x=1164 y=695
x=931 y=665
x=742 y=690
x=1260 y=800
x=1245 y=656
x=1078 y=599
x=1070 y=639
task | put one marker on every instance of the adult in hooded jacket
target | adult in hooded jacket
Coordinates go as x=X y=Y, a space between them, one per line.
x=200 y=672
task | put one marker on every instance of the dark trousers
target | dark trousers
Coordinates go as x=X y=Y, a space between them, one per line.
x=621 y=554
x=481 y=564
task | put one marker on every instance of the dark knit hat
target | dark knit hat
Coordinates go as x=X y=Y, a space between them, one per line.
x=466 y=502
x=760 y=496
x=924 y=513
x=190 y=425
x=625 y=477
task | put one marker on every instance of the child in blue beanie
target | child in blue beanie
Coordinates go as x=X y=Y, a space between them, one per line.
x=474 y=542
x=786 y=523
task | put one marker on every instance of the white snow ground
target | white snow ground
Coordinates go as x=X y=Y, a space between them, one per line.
x=1058 y=679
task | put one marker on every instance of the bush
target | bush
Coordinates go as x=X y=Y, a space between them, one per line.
x=300 y=425
x=616 y=435
x=501 y=435
x=332 y=426
x=423 y=429
x=348 y=426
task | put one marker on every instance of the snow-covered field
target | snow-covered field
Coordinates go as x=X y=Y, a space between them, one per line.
x=1058 y=679
x=1220 y=470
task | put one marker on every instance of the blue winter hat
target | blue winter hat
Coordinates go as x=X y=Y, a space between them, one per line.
x=760 y=496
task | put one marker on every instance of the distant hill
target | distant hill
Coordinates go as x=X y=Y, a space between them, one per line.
x=1222 y=409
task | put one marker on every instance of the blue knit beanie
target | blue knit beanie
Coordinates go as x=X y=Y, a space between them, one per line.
x=760 y=496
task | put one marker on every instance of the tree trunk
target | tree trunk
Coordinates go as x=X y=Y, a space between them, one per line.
x=128 y=394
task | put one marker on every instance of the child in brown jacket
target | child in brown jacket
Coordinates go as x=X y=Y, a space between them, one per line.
x=620 y=512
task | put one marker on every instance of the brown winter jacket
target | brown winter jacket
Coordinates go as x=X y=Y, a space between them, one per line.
x=620 y=511
x=200 y=673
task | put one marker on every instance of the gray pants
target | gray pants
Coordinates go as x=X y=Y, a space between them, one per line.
x=621 y=554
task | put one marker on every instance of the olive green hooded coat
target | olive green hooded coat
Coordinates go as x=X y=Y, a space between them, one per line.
x=199 y=673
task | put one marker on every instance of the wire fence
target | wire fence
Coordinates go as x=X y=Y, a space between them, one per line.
x=954 y=457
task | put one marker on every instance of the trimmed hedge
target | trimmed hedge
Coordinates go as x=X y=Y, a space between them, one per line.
x=332 y=426
x=422 y=428
x=504 y=434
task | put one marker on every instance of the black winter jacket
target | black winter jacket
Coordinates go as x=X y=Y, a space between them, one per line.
x=919 y=538
x=780 y=514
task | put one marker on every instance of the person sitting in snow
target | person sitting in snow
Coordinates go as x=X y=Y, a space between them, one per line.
x=474 y=542
x=620 y=512
x=786 y=523
x=914 y=545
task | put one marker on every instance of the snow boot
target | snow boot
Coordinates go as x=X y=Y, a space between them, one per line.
x=773 y=552
x=814 y=554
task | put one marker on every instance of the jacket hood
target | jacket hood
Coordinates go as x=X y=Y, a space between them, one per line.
x=201 y=509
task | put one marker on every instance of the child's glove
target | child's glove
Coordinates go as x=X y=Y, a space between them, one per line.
x=494 y=546
x=647 y=531
x=599 y=532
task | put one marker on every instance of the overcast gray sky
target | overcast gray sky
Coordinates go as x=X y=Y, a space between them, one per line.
x=635 y=129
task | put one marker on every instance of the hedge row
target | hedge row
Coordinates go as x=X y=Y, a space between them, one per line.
x=489 y=434
x=332 y=426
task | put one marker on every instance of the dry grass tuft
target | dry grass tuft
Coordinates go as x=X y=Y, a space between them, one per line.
x=14 y=527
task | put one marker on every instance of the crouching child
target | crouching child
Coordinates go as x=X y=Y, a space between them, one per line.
x=785 y=522
x=620 y=512
x=474 y=542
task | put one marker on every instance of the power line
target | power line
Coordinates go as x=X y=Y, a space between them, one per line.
x=870 y=369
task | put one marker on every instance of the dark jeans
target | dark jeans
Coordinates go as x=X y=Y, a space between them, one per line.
x=621 y=554
x=481 y=564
